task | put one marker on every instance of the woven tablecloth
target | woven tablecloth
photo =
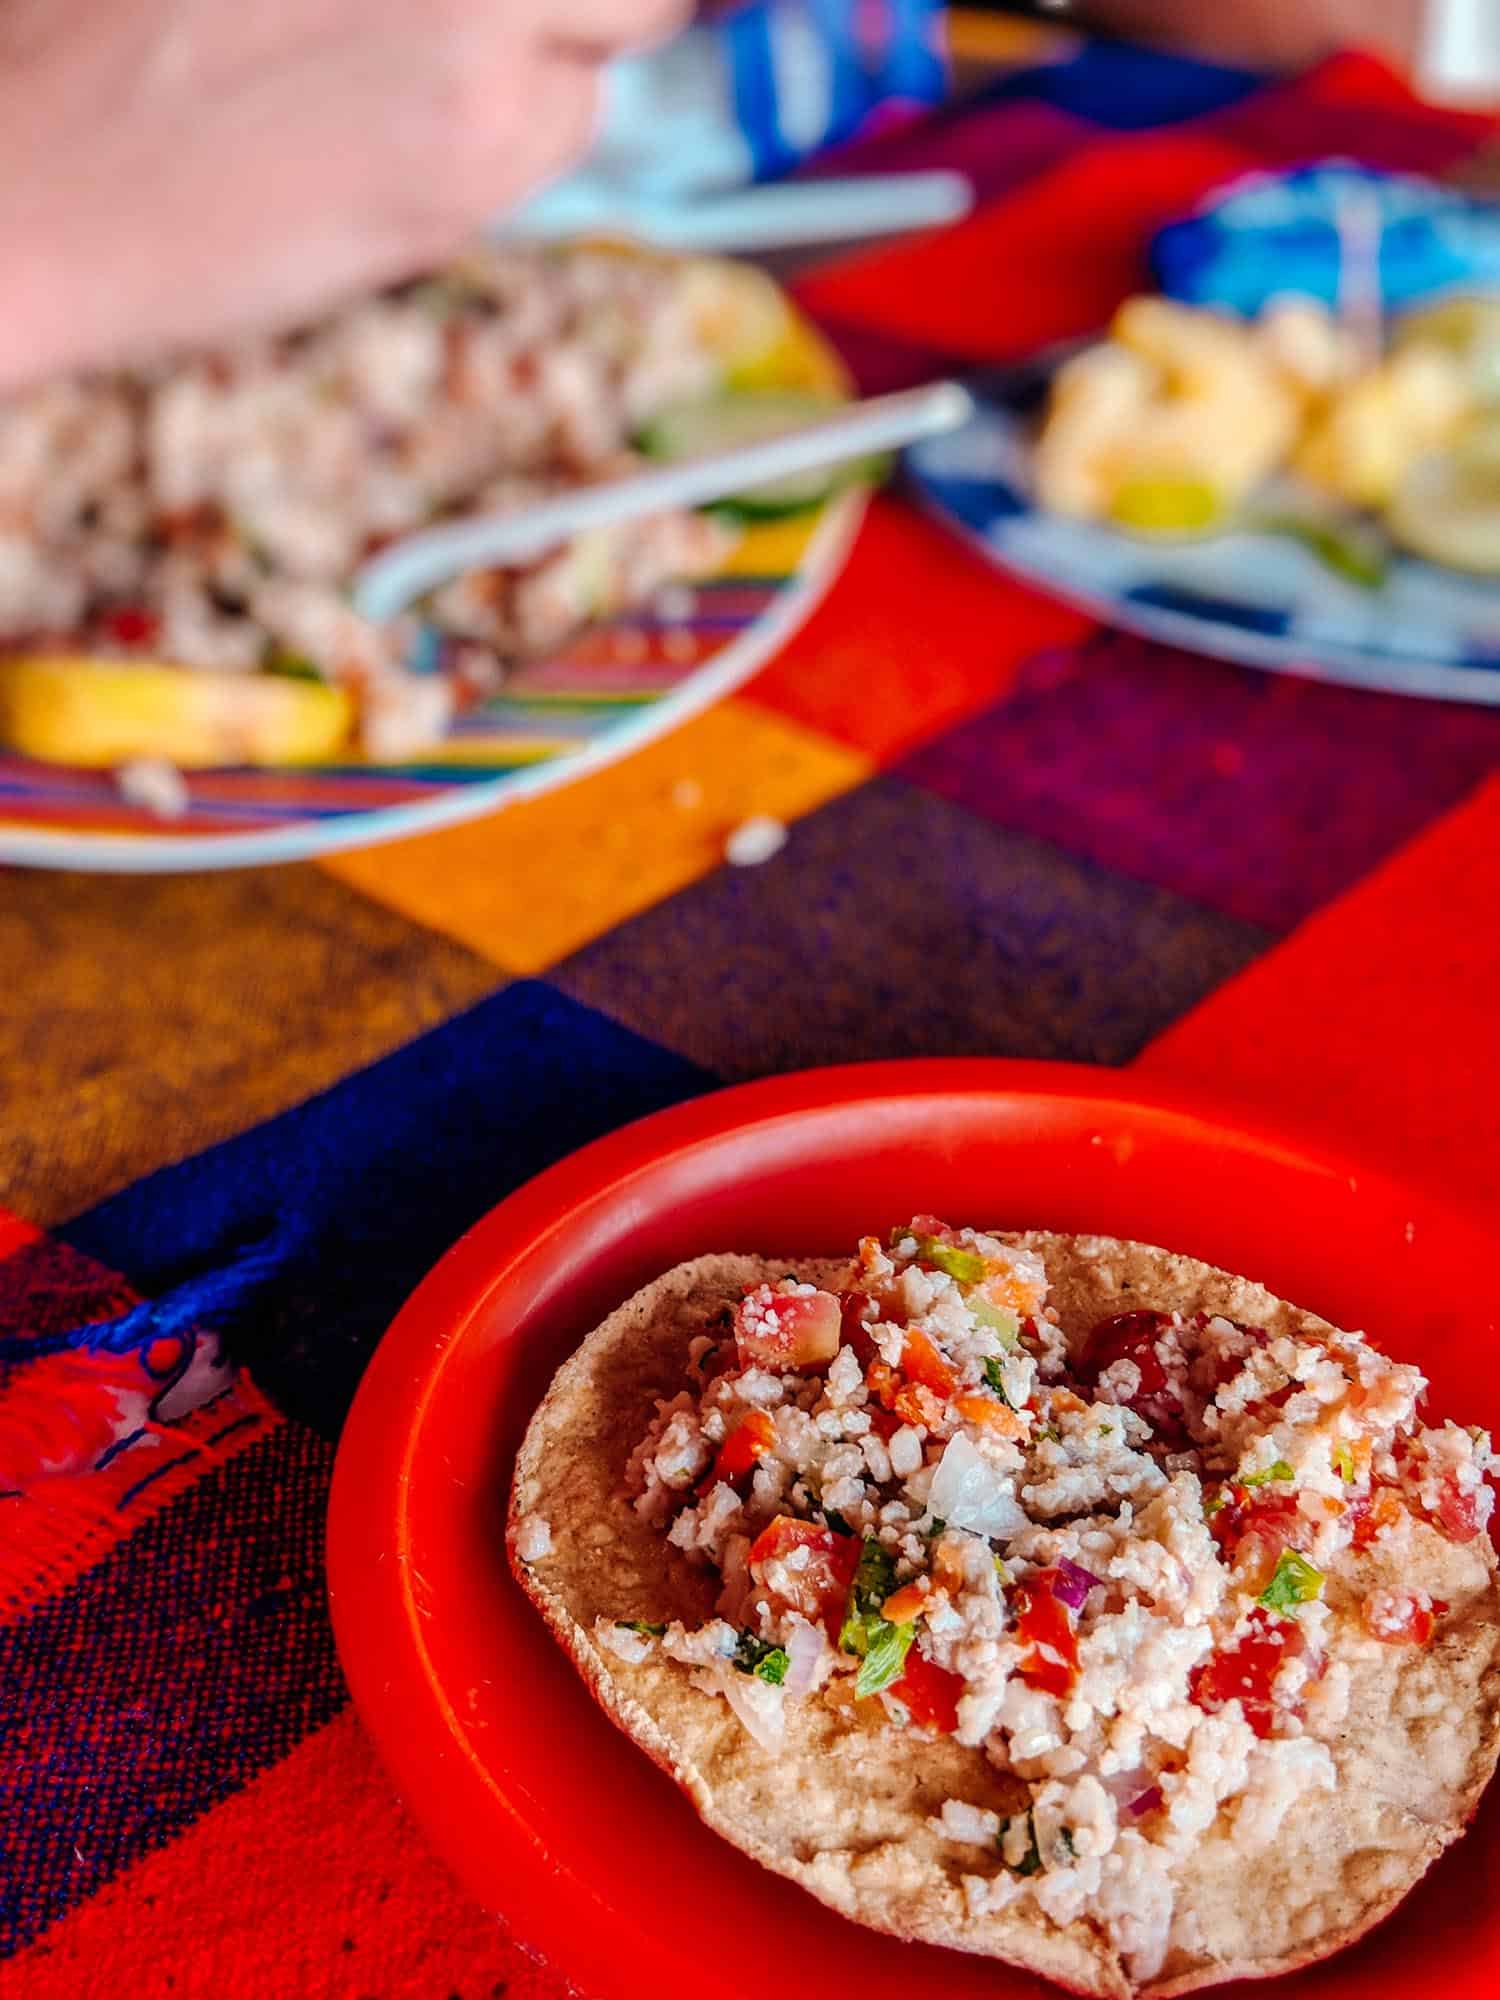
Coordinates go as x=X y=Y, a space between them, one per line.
x=253 y=1109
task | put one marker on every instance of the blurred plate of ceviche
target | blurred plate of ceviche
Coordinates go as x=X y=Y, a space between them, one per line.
x=552 y=1817
x=598 y=692
x=1285 y=574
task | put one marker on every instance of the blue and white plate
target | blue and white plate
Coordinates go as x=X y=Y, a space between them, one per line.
x=1260 y=599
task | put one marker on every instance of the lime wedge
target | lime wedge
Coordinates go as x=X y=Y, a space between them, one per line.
x=97 y=713
x=1164 y=504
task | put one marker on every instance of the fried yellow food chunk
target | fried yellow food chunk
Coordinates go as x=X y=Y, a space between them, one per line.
x=101 y=713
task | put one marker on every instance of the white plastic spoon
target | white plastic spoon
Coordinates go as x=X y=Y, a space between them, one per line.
x=410 y=568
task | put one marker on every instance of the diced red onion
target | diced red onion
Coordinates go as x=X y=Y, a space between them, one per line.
x=1073 y=1584
x=1144 y=1802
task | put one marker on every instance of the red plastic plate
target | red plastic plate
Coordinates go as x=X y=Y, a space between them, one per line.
x=549 y=1815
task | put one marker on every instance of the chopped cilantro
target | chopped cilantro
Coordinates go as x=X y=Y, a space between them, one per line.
x=835 y=1520
x=642 y=1625
x=1051 y=1432
x=1031 y=1861
x=1280 y=1470
x=1104 y=1431
x=1212 y=1505
x=874 y=1580
x=291 y=666
x=1343 y=1461
x=881 y=1646
x=759 y=1657
x=934 y=1528
x=884 y=1658
x=1295 y=1582
x=1001 y=1571
x=992 y=1375
x=1003 y=1323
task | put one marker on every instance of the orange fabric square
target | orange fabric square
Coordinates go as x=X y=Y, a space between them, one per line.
x=916 y=633
x=1049 y=261
x=528 y=885
x=1374 y=1024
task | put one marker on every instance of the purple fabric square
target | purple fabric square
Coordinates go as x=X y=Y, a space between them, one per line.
x=1261 y=795
x=893 y=924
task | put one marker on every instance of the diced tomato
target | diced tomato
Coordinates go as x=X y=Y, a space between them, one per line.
x=1045 y=1627
x=1271 y=1520
x=1133 y=1336
x=922 y=1363
x=131 y=625
x=787 y=1330
x=856 y=1309
x=1400 y=1618
x=817 y=1588
x=1458 y=1510
x=928 y=1225
x=929 y=1693
x=989 y=1413
x=752 y=1437
x=1245 y=1671
x=783 y=1534
x=1128 y=1336
x=1373 y=1512
x=884 y=1423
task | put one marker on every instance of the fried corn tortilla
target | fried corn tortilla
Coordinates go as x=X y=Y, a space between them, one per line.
x=850 y=1806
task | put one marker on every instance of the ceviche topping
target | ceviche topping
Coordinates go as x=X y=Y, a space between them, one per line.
x=1110 y=1560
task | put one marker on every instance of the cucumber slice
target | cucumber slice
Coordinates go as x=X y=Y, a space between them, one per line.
x=720 y=423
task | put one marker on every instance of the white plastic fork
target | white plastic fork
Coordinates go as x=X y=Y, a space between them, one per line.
x=417 y=564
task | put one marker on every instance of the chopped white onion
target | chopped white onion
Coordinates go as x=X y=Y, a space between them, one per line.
x=756 y=1703
x=967 y=1492
x=808 y=1656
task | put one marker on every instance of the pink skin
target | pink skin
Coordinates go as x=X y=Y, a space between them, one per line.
x=178 y=170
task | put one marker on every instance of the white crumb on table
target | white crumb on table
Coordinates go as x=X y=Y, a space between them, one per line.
x=755 y=840
x=154 y=785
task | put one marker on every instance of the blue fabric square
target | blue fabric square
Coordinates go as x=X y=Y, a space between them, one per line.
x=302 y=1237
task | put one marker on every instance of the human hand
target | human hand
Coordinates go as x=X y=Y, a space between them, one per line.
x=176 y=170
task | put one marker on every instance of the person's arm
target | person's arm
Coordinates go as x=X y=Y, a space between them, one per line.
x=176 y=170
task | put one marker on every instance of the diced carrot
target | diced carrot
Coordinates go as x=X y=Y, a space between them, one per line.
x=922 y=1363
x=1008 y=1291
x=916 y=1404
x=948 y=1568
x=907 y=1604
x=989 y=1413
